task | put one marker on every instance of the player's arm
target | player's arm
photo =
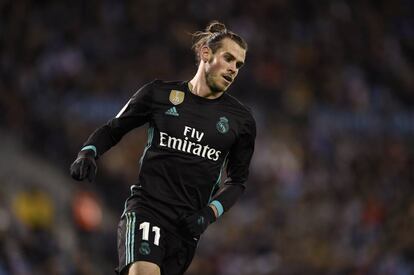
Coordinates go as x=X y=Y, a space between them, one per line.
x=237 y=170
x=135 y=113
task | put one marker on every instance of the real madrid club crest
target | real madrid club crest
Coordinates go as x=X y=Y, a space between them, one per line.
x=145 y=248
x=223 y=125
x=176 y=97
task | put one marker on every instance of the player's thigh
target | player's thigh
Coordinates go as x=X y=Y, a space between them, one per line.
x=144 y=268
x=139 y=240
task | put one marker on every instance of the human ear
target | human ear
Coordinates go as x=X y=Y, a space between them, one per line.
x=205 y=53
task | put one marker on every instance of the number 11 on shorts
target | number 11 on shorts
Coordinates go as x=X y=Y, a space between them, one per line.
x=145 y=227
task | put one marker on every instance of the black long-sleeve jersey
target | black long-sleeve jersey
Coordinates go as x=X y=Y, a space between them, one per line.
x=191 y=140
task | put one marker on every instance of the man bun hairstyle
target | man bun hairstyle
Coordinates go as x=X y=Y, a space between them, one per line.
x=214 y=33
x=216 y=26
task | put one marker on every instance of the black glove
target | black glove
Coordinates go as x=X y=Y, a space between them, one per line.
x=195 y=224
x=84 y=166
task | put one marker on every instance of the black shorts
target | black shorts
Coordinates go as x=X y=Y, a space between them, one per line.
x=142 y=239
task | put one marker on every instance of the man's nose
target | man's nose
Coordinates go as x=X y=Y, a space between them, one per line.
x=232 y=68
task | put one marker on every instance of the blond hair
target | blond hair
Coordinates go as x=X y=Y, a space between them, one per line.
x=212 y=36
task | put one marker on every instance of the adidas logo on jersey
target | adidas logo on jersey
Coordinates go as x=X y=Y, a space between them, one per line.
x=172 y=112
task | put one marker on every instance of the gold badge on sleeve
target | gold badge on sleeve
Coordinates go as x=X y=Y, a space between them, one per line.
x=176 y=97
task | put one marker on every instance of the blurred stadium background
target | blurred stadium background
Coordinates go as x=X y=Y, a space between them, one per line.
x=331 y=84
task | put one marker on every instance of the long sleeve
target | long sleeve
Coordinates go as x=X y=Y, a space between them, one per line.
x=237 y=168
x=135 y=113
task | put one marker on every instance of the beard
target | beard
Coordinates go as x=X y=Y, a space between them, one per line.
x=213 y=85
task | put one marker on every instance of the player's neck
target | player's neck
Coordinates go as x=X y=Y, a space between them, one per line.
x=198 y=86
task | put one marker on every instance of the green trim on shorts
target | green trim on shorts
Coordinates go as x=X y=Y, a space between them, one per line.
x=130 y=237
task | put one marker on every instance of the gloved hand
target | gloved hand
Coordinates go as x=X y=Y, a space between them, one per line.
x=84 y=166
x=195 y=224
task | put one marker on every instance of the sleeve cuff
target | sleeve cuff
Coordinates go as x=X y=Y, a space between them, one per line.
x=219 y=207
x=90 y=147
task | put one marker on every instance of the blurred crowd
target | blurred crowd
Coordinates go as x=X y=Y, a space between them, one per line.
x=331 y=85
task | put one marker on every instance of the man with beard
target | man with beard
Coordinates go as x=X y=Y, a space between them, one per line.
x=195 y=130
